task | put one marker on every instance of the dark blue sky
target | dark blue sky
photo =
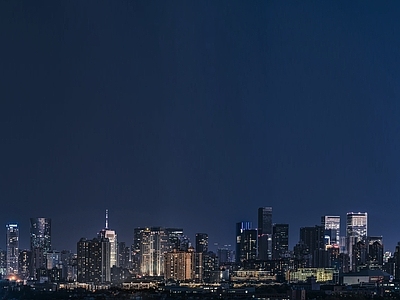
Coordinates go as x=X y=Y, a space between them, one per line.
x=195 y=113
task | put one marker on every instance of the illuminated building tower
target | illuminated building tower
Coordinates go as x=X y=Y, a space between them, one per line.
x=210 y=266
x=40 y=234
x=332 y=229
x=12 y=237
x=154 y=244
x=375 y=252
x=3 y=263
x=175 y=238
x=201 y=242
x=24 y=264
x=136 y=247
x=240 y=228
x=109 y=234
x=93 y=261
x=360 y=256
x=265 y=233
x=248 y=245
x=181 y=265
x=280 y=240
x=53 y=260
x=356 y=230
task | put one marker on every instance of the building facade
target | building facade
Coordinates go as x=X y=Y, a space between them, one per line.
x=332 y=229
x=240 y=228
x=40 y=240
x=93 y=261
x=356 y=230
x=265 y=233
x=201 y=242
x=12 y=237
x=280 y=240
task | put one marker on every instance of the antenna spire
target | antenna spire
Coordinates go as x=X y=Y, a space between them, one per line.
x=106 y=218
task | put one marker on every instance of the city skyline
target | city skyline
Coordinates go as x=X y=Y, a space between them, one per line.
x=294 y=233
x=194 y=114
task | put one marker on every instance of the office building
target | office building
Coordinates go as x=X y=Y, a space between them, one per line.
x=176 y=239
x=248 y=245
x=225 y=255
x=375 y=252
x=240 y=228
x=153 y=246
x=12 y=238
x=280 y=240
x=201 y=242
x=313 y=238
x=40 y=239
x=265 y=233
x=332 y=229
x=356 y=230
x=40 y=233
x=24 y=264
x=93 y=261
x=181 y=265
x=111 y=235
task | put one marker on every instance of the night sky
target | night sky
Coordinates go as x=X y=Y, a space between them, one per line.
x=195 y=113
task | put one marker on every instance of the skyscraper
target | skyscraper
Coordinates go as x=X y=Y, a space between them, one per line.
x=280 y=240
x=356 y=230
x=153 y=246
x=248 y=245
x=111 y=235
x=240 y=228
x=332 y=228
x=93 y=261
x=201 y=242
x=12 y=237
x=265 y=233
x=40 y=233
x=313 y=239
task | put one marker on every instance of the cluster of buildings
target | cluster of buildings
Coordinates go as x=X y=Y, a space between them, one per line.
x=261 y=254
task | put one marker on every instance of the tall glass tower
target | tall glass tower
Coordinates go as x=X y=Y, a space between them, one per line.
x=41 y=234
x=356 y=230
x=265 y=233
x=12 y=238
x=332 y=228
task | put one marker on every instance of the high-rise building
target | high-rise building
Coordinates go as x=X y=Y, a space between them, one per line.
x=375 y=252
x=356 y=230
x=201 y=242
x=111 y=235
x=175 y=238
x=53 y=260
x=40 y=233
x=265 y=233
x=12 y=237
x=314 y=240
x=93 y=261
x=135 y=249
x=3 y=262
x=280 y=240
x=153 y=246
x=332 y=229
x=248 y=245
x=181 y=265
x=240 y=228
x=225 y=255
x=24 y=264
